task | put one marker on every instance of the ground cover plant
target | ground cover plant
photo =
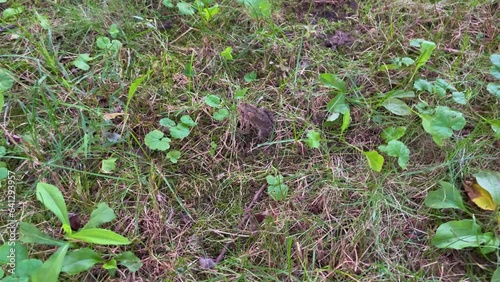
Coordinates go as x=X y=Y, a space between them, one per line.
x=249 y=140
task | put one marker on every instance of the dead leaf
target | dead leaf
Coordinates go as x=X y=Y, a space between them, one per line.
x=112 y=115
x=479 y=195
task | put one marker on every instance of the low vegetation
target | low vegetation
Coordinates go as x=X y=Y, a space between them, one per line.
x=250 y=140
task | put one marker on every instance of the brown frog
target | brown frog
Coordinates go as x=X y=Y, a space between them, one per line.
x=259 y=119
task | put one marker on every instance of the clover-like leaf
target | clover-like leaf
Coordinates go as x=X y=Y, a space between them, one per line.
x=213 y=101
x=221 y=114
x=227 y=53
x=180 y=131
x=187 y=120
x=156 y=140
x=81 y=61
x=442 y=123
x=167 y=122
x=249 y=77
x=397 y=149
x=423 y=85
x=173 y=156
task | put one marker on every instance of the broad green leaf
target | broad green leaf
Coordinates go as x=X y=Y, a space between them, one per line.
x=6 y=81
x=213 y=101
x=423 y=85
x=313 y=139
x=173 y=156
x=168 y=3
x=496 y=275
x=111 y=264
x=185 y=8
x=221 y=114
x=108 y=165
x=133 y=88
x=271 y=180
x=4 y=173
x=10 y=12
x=397 y=107
x=102 y=214
x=179 y=132
x=103 y=42
x=113 y=30
x=99 y=236
x=495 y=126
x=333 y=81
x=187 y=120
x=442 y=123
x=393 y=133
x=50 y=269
x=156 y=140
x=249 y=77
x=31 y=234
x=3 y=151
x=490 y=181
x=375 y=160
x=494 y=89
x=80 y=260
x=397 y=149
x=445 y=197
x=440 y=87
x=227 y=53
x=495 y=59
x=491 y=243
x=346 y=120
x=407 y=61
x=129 y=260
x=426 y=48
x=337 y=105
x=167 y=122
x=26 y=268
x=51 y=197
x=459 y=98
x=20 y=252
x=458 y=235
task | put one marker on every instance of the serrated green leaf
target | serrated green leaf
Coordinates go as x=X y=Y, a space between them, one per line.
x=333 y=81
x=187 y=120
x=101 y=214
x=445 y=197
x=156 y=140
x=458 y=235
x=51 y=197
x=397 y=149
x=213 y=101
x=375 y=160
x=129 y=260
x=179 y=132
x=185 y=8
x=99 y=236
x=393 y=133
x=397 y=107
x=108 y=165
x=167 y=122
x=249 y=77
x=173 y=156
x=313 y=139
x=80 y=260
x=221 y=114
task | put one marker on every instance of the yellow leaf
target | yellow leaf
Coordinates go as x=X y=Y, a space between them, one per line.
x=112 y=115
x=479 y=195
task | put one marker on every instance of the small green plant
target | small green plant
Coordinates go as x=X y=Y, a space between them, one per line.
x=467 y=233
x=276 y=188
x=215 y=102
x=313 y=139
x=63 y=260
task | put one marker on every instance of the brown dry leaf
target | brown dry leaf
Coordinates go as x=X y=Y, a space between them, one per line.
x=479 y=195
x=112 y=115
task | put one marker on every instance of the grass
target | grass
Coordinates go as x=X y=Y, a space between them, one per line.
x=341 y=221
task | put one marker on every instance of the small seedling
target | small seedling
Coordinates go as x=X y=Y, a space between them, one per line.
x=276 y=189
x=249 y=77
x=227 y=54
x=215 y=101
x=313 y=139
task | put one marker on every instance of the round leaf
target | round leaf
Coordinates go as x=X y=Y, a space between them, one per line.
x=213 y=101
x=155 y=140
x=179 y=132
x=397 y=149
x=221 y=114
